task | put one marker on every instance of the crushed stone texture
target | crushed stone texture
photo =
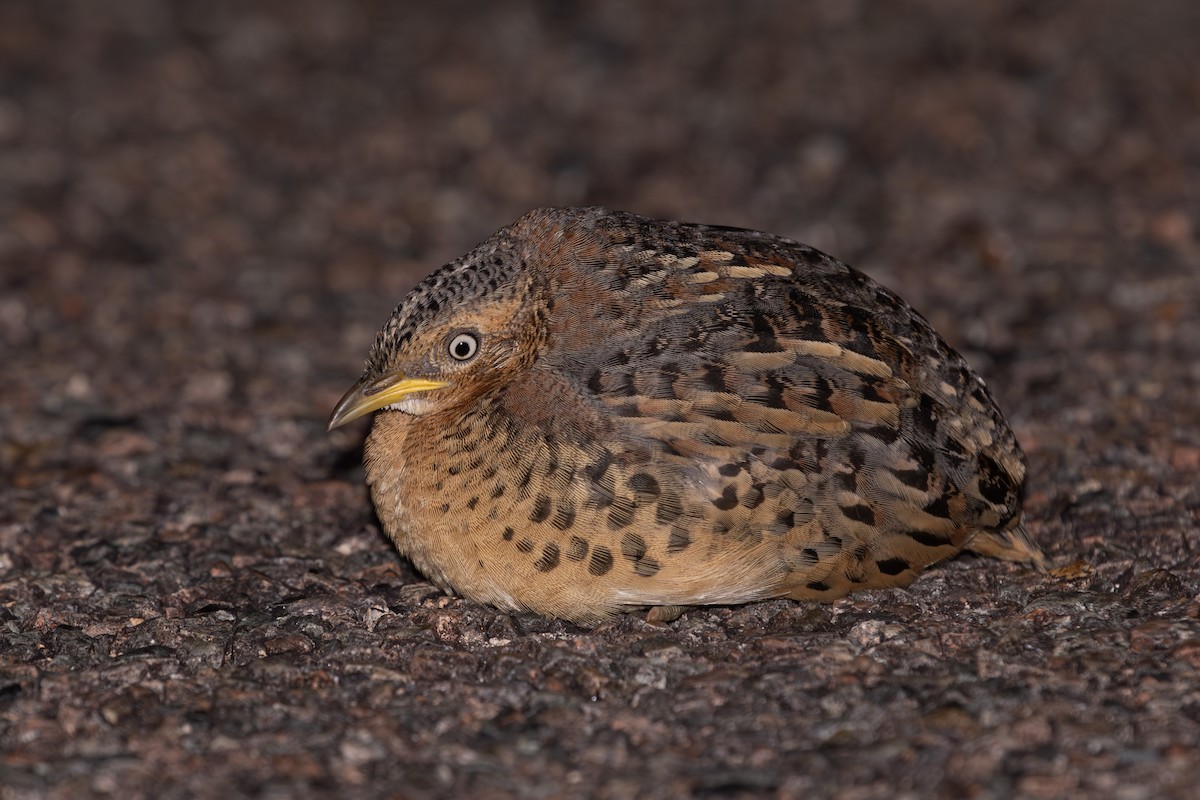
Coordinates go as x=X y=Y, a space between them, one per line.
x=208 y=208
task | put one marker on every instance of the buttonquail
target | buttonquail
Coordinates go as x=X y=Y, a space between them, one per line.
x=594 y=412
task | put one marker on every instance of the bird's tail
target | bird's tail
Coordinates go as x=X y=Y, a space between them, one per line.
x=1013 y=543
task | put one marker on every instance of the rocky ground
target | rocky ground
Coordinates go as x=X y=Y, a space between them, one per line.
x=207 y=208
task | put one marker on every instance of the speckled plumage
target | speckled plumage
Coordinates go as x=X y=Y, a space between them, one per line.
x=664 y=415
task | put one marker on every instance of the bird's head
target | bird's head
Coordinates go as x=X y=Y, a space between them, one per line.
x=462 y=331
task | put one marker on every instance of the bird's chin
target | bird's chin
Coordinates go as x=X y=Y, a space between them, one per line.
x=415 y=406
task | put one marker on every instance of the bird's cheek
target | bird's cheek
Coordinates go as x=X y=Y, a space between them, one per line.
x=515 y=354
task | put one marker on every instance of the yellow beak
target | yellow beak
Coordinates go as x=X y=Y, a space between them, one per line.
x=371 y=395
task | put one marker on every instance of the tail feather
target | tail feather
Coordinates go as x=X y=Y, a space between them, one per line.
x=1011 y=544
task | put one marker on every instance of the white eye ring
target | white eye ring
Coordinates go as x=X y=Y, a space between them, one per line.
x=463 y=346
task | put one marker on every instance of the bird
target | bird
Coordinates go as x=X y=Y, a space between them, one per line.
x=594 y=412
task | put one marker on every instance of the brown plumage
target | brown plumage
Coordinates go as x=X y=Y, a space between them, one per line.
x=594 y=412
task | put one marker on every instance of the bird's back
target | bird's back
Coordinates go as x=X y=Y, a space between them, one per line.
x=819 y=422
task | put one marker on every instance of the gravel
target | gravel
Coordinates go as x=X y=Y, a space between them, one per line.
x=208 y=208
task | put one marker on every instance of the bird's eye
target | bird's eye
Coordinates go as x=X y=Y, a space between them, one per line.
x=464 y=346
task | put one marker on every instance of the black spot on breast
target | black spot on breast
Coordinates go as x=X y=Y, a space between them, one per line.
x=633 y=546
x=601 y=561
x=892 y=566
x=445 y=507
x=621 y=513
x=678 y=541
x=549 y=558
x=810 y=556
x=599 y=498
x=646 y=567
x=728 y=498
x=597 y=469
x=525 y=546
x=541 y=509
x=753 y=496
x=472 y=503
x=524 y=481
x=497 y=490
x=564 y=515
x=509 y=533
x=846 y=480
x=644 y=485
x=859 y=513
x=818 y=586
x=729 y=470
x=668 y=509
x=577 y=550
x=785 y=520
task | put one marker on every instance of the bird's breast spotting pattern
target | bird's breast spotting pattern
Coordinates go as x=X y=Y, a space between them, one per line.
x=665 y=415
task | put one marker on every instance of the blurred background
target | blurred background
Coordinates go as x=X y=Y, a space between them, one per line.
x=208 y=208
x=248 y=185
